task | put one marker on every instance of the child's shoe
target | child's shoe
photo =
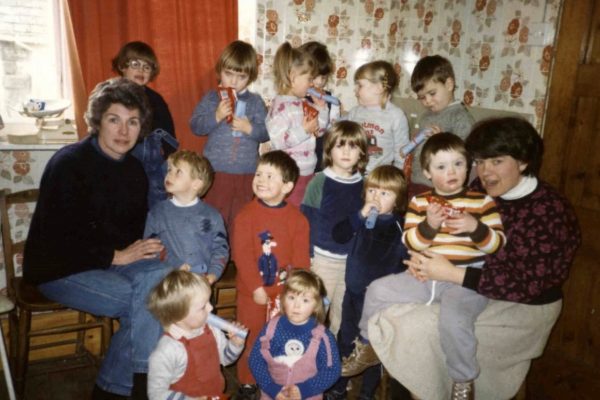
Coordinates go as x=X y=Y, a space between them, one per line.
x=463 y=391
x=247 y=392
x=362 y=357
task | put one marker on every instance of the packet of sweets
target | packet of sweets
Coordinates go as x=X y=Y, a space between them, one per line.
x=227 y=93
x=309 y=110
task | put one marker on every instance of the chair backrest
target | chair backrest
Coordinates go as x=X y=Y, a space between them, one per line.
x=9 y=245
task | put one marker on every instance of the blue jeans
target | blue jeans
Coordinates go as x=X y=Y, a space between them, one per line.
x=118 y=292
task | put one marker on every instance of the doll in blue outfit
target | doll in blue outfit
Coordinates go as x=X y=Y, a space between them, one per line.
x=233 y=137
x=375 y=252
x=192 y=232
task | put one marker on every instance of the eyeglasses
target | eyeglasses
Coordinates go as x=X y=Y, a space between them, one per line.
x=139 y=64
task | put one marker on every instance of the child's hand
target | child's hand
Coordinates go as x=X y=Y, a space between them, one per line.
x=311 y=126
x=223 y=110
x=241 y=125
x=185 y=267
x=435 y=215
x=433 y=129
x=462 y=223
x=236 y=340
x=260 y=296
x=211 y=278
x=293 y=392
x=367 y=207
x=264 y=148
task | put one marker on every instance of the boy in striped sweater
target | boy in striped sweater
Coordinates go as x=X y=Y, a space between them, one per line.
x=450 y=220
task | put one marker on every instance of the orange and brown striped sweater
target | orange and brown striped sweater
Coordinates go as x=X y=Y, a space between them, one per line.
x=467 y=249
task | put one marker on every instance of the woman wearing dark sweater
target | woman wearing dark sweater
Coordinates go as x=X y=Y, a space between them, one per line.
x=84 y=249
x=523 y=279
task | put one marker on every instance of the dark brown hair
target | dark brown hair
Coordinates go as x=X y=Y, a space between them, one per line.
x=136 y=51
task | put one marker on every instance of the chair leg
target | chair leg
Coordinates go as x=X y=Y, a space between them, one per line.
x=107 y=331
x=6 y=368
x=13 y=326
x=22 y=352
x=80 y=345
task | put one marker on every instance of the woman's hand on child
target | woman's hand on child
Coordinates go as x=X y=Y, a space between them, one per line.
x=435 y=215
x=138 y=250
x=241 y=125
x=260 y=296
x=223 y=110
x=311 y=126
x=462 y=223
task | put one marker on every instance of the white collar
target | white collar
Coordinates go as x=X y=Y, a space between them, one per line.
x=356 y=177
x=180 y=204
x=178 y=332
x=526 y=186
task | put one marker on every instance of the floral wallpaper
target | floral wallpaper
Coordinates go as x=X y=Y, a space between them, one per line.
x=501 y=50
x=20 y=170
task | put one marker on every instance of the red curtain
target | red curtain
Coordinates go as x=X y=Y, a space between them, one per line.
x=187 y=36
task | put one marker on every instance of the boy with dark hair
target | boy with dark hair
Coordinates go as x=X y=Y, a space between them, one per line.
x=433 y=81
x=267 y=232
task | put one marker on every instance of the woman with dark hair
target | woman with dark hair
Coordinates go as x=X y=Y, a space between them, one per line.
x=84 y=248
x=523 y=279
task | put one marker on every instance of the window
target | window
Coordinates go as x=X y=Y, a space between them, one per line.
x=32 y=55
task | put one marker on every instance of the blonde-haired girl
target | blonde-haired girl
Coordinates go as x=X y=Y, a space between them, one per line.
x=289 y=128
x=296 y=357
x=385 y=124
x=375 y=252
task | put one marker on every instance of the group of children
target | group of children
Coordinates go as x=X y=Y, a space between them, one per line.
x=296 y=263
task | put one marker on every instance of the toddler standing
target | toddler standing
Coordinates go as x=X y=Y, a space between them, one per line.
x=331 y=196
x=375 y=252
x=296 y=357
x=186 y=362
x=289 y=128
x=434 y=83
x=269 y=237
x=191 y=231
x=385 y=124
x=232 y=147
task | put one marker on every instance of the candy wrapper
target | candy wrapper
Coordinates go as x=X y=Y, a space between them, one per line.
x=227 y=93
x=240 y=111
x=450 y=210
x=309 y=111
x=273 y=307
x=320 y=94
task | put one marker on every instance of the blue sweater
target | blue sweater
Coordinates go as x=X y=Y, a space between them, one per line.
x=375 y=252
x=89 y=206
x=328 y=200
x=285 y=334
x=226 y=153
x=194 y=235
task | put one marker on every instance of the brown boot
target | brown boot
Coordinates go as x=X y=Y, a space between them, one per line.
x=362 y=357
x=463 y=391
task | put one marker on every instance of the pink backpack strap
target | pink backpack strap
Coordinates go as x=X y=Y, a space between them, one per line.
x=265 y=341
x=318 y=334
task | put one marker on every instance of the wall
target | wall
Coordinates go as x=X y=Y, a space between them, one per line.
x=501 y=50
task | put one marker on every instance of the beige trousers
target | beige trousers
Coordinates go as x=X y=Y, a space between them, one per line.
x=333 y=272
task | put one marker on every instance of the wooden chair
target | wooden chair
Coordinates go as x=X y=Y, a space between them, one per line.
x=29 y=300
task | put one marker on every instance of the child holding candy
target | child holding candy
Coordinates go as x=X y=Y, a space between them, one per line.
x=317 y=93
x=233 y=118
x=292 y=122
x=434 y=83
x=462 y=225
x=187 y=360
